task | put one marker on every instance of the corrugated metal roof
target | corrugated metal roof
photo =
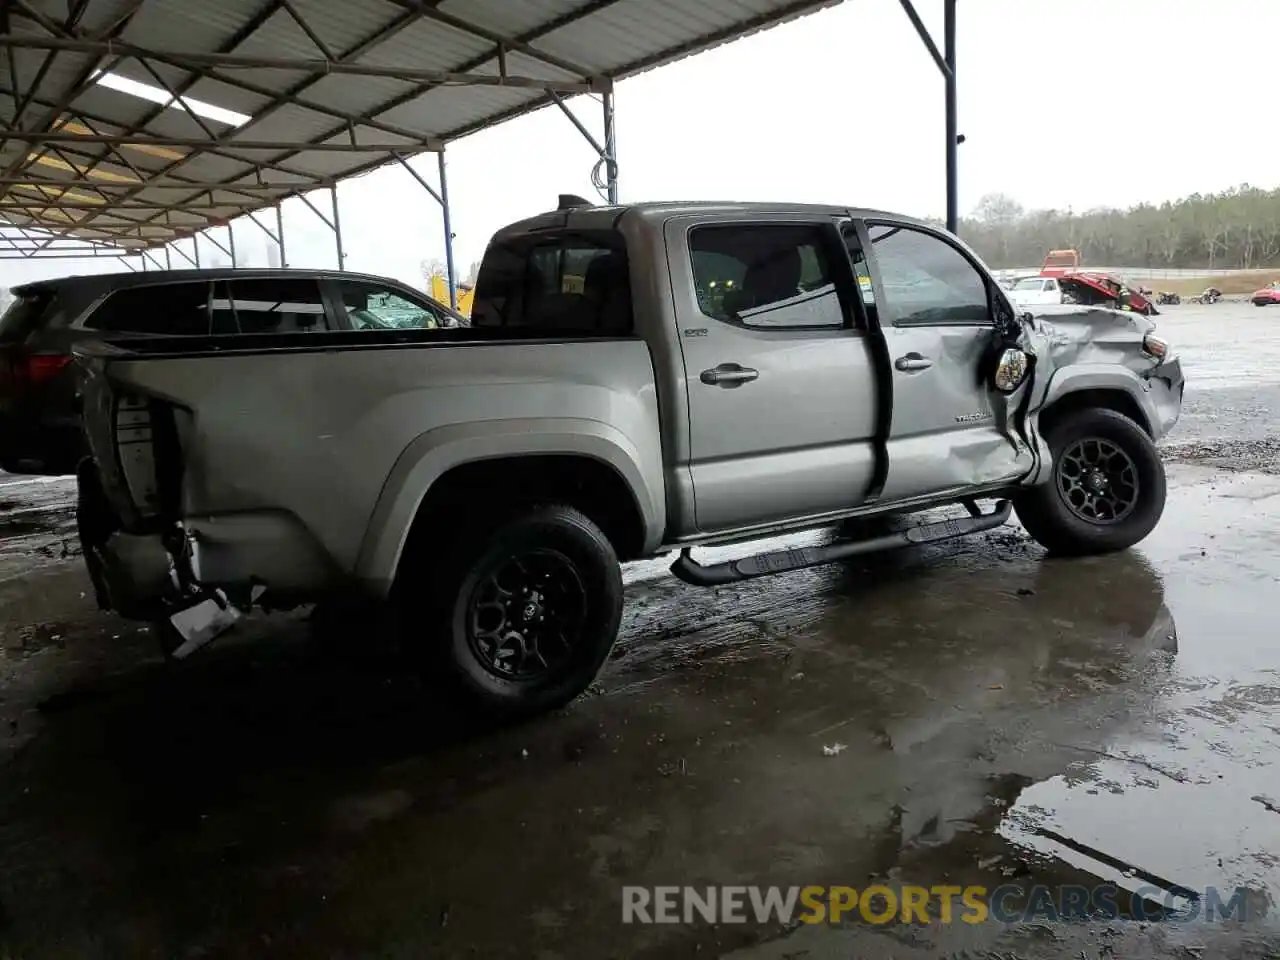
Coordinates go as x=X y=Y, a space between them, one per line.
x=318 y=79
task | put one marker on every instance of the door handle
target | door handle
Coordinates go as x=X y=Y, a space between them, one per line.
x=913 y=361
x=728 y=375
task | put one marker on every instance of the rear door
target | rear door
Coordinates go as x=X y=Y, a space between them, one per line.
x=950 y=429
x=780 y=380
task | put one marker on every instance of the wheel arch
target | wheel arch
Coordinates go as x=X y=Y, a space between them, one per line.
x=584 y=464
x=1113 y=388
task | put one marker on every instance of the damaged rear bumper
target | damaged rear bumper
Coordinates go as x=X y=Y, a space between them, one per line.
x=132 y=574
x=151 y=573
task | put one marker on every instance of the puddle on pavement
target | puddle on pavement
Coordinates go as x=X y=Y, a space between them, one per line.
x=977 y=693
x=1191 y=798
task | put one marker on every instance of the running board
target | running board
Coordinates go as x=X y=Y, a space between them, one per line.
x=781 y=561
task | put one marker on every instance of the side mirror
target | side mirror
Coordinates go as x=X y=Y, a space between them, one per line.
x=1011 y=371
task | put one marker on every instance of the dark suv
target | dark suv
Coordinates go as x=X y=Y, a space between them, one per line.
x=39 y=414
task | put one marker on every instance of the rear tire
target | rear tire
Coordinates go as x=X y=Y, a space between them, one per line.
x=1107 y=490
x=516 y=617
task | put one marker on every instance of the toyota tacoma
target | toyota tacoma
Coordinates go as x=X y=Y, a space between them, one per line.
x=637 y=381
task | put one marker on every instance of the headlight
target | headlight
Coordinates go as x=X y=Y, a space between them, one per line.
x=1011 y=371
x=1155 y=347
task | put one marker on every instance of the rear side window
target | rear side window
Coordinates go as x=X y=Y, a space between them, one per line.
x=24 y=314
x=267 y=305
x=168 y=309
x=571 y=285
x=766 y=275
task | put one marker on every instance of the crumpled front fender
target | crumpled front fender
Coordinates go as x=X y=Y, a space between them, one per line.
x=1091 y=348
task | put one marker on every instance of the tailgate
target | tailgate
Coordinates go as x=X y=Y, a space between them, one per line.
x=129 y=436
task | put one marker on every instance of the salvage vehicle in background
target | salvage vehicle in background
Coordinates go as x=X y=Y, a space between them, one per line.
x=1103 y=290
x=1089 y=287
x=636 y=381
x=1036 y=291
x=40 y=429
x=1268 y=295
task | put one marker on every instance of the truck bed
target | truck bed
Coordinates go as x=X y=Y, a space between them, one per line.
x=223 y=431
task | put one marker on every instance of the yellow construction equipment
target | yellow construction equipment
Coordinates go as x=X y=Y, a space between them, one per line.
x=440 y=291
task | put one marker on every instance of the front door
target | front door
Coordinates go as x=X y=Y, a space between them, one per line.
x=780 y=381
x=950 y=429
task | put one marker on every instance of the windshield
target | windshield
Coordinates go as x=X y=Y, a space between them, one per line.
x=1033 y=283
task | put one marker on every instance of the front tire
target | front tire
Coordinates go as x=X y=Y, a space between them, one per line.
x=1107 y=490
x=520 y=615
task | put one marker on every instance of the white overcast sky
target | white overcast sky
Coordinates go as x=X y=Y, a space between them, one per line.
x=1064 y=103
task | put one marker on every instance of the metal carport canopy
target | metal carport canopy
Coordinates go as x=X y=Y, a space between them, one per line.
x=307 y=93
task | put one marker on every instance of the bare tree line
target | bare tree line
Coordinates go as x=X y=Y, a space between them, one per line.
x=1236 y=229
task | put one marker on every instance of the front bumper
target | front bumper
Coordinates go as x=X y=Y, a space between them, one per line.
x=1165 y=385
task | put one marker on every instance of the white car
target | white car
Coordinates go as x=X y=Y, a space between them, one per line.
x=1036 y=291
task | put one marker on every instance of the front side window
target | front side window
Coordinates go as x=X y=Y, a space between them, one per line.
x=267 y=305
x=370 y=306
x=766 y=275
x=572 y=285
x=927 y=280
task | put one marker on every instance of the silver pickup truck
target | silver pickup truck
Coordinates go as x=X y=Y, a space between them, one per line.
x=637 y=381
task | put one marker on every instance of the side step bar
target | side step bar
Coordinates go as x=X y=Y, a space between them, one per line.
x=781 y=561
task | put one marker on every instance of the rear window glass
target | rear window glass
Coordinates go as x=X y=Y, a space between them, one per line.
x=568 y=285
x=24 y=313
x=169 y=309
x=765 y=275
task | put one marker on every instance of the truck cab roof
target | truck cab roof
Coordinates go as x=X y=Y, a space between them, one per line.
x=606 y=217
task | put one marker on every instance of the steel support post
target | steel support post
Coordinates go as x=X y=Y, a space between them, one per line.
x=168 y=260
x=448 y=233
x=176 y=248
x=953 y=135
x=284 y=262
x=946 y=63
x=337 y=227
x=231 y=245
x=610 y=148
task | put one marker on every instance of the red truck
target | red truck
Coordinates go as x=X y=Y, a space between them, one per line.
x=1091 y=288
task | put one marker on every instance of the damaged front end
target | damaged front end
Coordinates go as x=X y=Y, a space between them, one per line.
x=1104 y=353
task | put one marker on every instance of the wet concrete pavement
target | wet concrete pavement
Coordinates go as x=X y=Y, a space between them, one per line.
x=992 y=718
